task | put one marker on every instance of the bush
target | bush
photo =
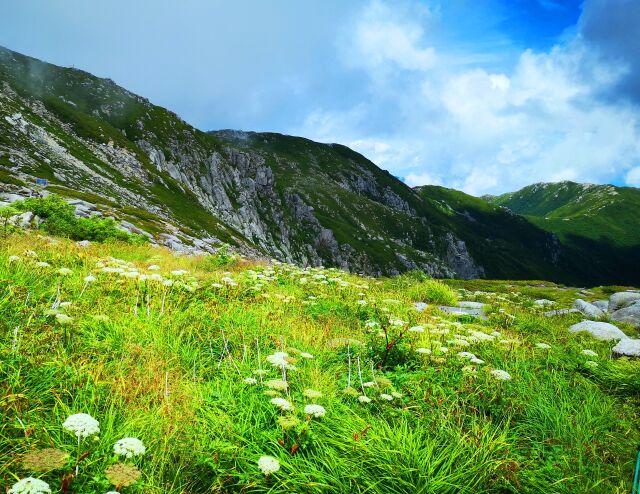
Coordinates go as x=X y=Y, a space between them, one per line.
x=434 y=292
x=59 y=219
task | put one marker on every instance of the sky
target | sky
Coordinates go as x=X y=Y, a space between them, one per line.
x=484 y=96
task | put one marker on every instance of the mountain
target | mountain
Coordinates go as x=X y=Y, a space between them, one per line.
x=599 y=223
x=266 y=194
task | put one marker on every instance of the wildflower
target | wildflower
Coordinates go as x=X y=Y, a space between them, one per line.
x=364 y=399
x=122 y=474
x=425 y=351
x=167 y=282
x=89 y=279
x=543 y=346
x=64 y=271
x=476 y=360
x=63 y=318
x=179 y=272
x=14 y=258
x=288 y=421
x=395 y=394
x=129 y=447
x=306 y=355
x=501 y=375
x=154 y=267
x=349 y=391
x=45 y=460
x=590 y=364
x=261 y=372
x=43 y=264
x=316 y=411
x=589 y=353
x=467 y=355
x=385 y=396
x=82 y=425
x=30 y=486
x=282 y=404
x=311 y=393
x=279 y=359
x=250 y=380
x=113 y=492
x=369 y=384
x=268 y=465
x=416 y=329
x=277 y=384
x=444 y=349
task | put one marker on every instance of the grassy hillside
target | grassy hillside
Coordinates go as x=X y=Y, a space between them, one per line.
x=179 y=353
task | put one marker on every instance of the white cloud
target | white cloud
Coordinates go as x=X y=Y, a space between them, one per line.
x=482 y=130
x=632 y=179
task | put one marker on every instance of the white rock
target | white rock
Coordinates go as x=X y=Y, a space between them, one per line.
x=543 y=302
x=420 y=306
x=599 y=330
x=587 y=309
x=470 y=305
x=621 y=300
x=603 y=305
x=630 y=314
x=627 y=347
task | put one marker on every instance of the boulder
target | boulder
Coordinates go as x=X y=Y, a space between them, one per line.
x=630 y=314
x=470 y=305
x=603 y=305
x=462 y=311
x=627 y=347
x=560 y=312
x=599 y=330
x=621 y=300
x=420 y=306
x=587 y=309
x=543 y=301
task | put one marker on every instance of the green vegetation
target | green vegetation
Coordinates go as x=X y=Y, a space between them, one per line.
x=58 y=218
x=182 y=353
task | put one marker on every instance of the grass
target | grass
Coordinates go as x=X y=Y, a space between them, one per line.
x=150 y=361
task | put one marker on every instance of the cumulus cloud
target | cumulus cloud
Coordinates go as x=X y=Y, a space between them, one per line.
x=548 y=116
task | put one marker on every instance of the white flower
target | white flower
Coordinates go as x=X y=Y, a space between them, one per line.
x=364 y=399
x=425 y=351
x=282 y=404
x=416 y=329
x=387 y=397
x=279 y=359
x=129 y=447
x=467 y=355
x=268 y=465
x=501 y=375
x=395 y=394
x=89 y=279
x=261 y=372
x=64 y=271
x=250 y=380
x=30 y=486
x=306 y=355
x=315 y=411
x=113 y=492
x=43 y=264
x=311 y=393
x=369 y=384
x=543 y=346
x=167 y=282
x=179 y=272
x=14 y=258
x=82 y=425
x=63 y=318
x=589 y=353
x=476 y=361
x=590 y=364
x=154 y=267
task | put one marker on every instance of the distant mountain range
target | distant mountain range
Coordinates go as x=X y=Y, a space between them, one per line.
x=272 y=195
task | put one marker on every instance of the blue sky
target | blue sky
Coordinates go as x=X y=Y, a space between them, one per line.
x=482 y=95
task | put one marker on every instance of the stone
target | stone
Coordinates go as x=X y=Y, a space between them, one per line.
x=599 y=330
x=587 y=309
x=560 y=312
x=630 y=314
x=543 y=302
x=603 y=305
x=420 y=306
x=470 y=305
x=621 y=300
x=627 y=347
x=83 y=243
x=462 y=311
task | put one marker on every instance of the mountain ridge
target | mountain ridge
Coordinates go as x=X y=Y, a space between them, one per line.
x=267 y=194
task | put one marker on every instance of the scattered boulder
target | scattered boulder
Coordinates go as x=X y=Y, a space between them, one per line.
x=599 y=330
x=543 y=301
x=630 y=314
x=83 y=243
x=560 y=312
x=420 y=306
x=603 y=305
x=587 y=309
x=627 y=347
x=621 y=300
x=462 y=311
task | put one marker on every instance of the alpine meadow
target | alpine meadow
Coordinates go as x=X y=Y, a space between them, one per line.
x=193 y=311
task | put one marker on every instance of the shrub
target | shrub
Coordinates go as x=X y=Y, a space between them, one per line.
x=59 y=219
x=434 y=292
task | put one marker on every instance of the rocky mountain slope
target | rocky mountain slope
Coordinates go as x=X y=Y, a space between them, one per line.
x=266 y=194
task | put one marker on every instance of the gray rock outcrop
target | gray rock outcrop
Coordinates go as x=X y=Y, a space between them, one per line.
x=599 y=330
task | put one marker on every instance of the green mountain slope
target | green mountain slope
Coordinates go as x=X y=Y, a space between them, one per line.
x=266 y=194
